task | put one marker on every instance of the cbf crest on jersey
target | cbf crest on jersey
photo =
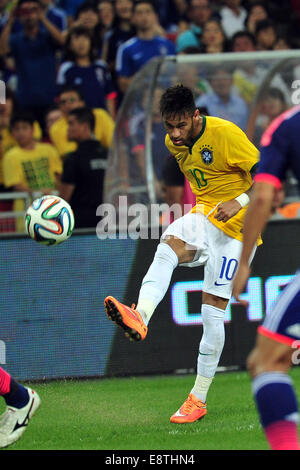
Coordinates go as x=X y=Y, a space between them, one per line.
x=207 y=155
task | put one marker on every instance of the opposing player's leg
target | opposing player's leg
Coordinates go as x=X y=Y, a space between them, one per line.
x=178 y=246
x=268 y=365
x=21 y=404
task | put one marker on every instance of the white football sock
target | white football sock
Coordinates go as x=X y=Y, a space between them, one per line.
x=156 y=282
x=201 y=387
x=210 y=349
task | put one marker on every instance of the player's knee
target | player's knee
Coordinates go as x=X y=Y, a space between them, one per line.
x=258 y=362
x=179 y=247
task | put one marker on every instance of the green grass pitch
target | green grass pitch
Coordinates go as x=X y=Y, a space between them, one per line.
x=133 y=414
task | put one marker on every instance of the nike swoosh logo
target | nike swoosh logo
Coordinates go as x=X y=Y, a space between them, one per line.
x=178 y=413
x=26 y=420
x=143 y=283
x=225 y=284
x=203 y=354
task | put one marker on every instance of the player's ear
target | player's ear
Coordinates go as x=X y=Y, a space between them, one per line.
x=196 y=113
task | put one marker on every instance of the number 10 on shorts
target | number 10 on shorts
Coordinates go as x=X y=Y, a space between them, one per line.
x=228 y=269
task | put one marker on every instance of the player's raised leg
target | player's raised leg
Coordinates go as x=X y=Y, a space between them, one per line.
x=134 y=321
x=21 y=404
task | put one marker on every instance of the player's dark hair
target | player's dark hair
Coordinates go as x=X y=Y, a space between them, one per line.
x=21 y=116
x=84 y=115
x=176 y=101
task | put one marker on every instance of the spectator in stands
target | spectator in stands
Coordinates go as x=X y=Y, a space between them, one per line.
x=81 y=68
x=6 y=139
x=57 y=16
x=198 y=12
x=158 y=133
x=257 y=12
x=265 y=35
x=282 y=43
x=84 y=169
x=106 y=14
x=87 y=17
x=6 y=142
x=68 y=99
x=6 y=112
x=4 y=7
x=7 y=72
x=249 y=75
x=135 y=53
x=33 y=49
x=30 y=166
x=172 y=16
x=213 y=38
x=233 y=17
x=121 y=30
x=71 y=7
x=271 y=105
x=243 y=41
x=52 y=115
x=192 y=78
x=222 y=101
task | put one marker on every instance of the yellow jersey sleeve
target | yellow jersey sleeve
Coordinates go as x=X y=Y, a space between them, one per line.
x=242 y=154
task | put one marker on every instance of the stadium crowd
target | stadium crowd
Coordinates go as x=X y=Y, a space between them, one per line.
x=57 y=57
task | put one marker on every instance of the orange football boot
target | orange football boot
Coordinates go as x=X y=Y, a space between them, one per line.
x=191 y=410
x=127 y=318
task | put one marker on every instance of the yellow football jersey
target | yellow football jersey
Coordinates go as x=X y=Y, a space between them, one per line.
x=217 y=166
x=104 y=128
x=34 y=168
x=7 y=142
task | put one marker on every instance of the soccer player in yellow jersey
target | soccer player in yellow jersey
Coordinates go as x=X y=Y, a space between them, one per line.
x=218 y=160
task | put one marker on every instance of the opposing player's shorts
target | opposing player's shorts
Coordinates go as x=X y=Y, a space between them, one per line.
x=218 y=252
x=282 y=322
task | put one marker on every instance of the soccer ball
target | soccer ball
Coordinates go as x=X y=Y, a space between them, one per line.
x=49 y=220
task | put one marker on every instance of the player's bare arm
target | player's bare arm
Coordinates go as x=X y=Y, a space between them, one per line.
x=229 y=209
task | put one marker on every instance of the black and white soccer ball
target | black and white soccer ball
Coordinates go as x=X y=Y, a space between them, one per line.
x=49 y=220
